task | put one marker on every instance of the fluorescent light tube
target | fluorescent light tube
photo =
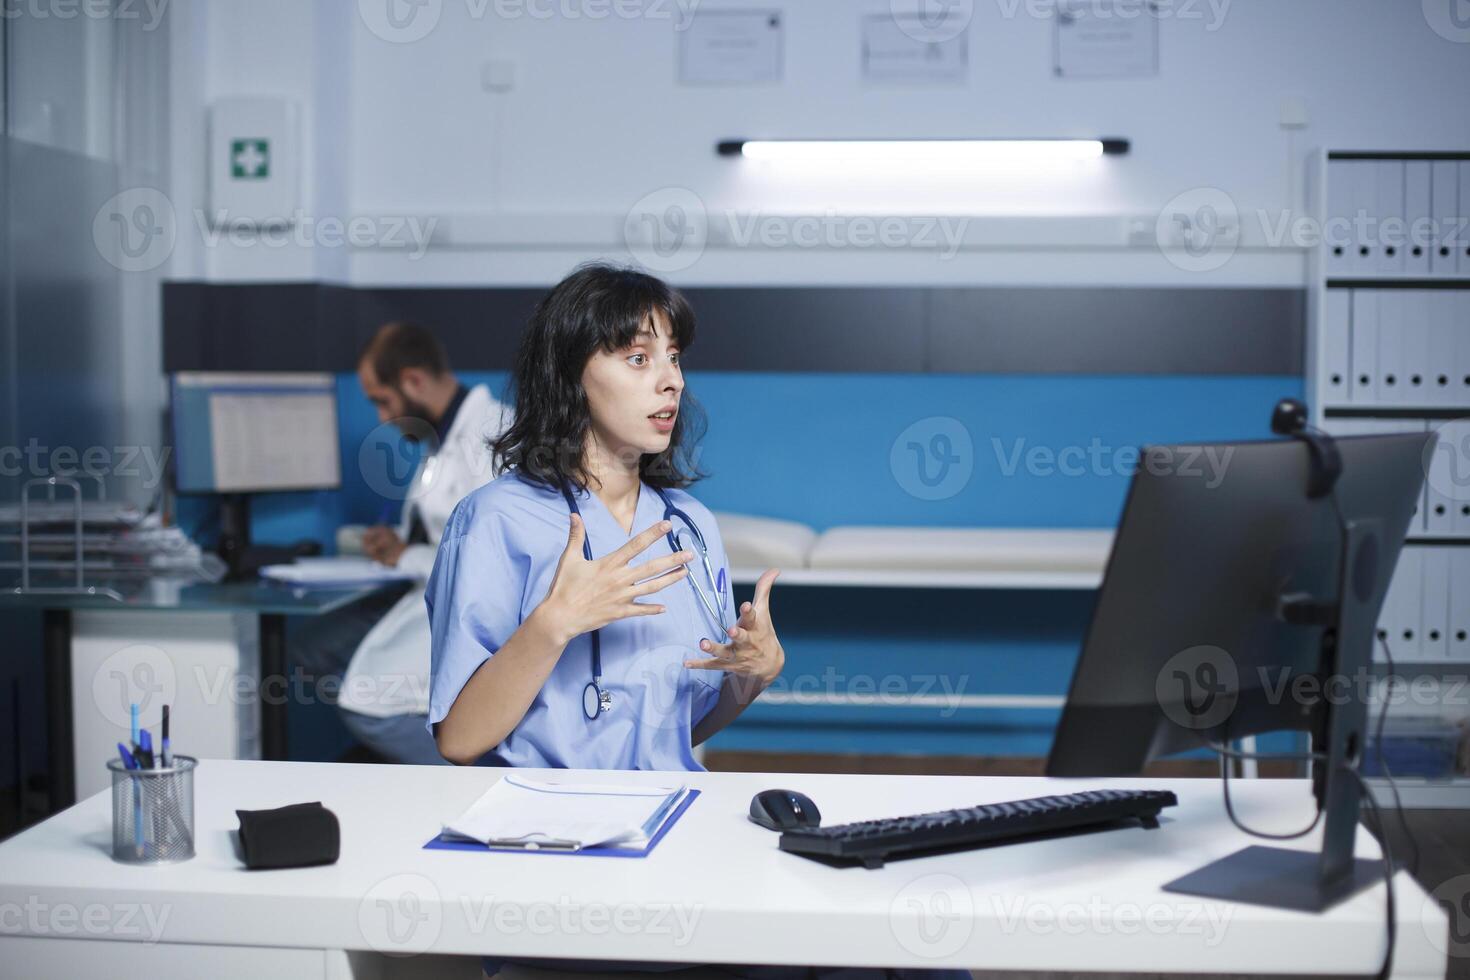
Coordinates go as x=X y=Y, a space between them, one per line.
x=924 y=153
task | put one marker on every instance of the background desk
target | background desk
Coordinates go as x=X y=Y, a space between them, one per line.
x=217 y=633
x=1081 y=903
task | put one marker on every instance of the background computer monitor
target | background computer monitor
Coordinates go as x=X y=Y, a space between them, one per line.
x=249 y=433
x=1187 y=640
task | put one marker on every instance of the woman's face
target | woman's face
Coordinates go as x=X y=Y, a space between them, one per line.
x=633 y=393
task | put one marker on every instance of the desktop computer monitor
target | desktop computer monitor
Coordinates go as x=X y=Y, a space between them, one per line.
x=249 y=433
x=241 y=434
x=1231 y=591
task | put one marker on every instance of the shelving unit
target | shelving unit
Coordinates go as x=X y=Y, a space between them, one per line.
x=1388 y=349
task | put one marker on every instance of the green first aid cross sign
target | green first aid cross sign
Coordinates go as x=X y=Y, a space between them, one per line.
x=250 y=159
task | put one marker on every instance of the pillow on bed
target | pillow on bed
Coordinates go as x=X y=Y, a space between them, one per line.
x=964 y=549
x=764 y=542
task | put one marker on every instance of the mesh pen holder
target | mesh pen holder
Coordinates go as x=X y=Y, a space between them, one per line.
x=153 y=812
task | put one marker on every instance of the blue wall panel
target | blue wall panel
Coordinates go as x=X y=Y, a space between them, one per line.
x=820 y=448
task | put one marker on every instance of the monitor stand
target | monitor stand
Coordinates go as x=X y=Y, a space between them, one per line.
x=1314 y=881
x=243 y=559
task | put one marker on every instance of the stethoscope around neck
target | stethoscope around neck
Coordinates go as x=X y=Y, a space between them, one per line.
x=596 y=700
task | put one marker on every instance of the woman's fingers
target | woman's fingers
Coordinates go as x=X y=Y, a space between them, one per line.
x=763 y=588
x=659 y=582
x=722 y=655
x=657 y=566
x=638 y=545
x=575 y=533
x=641 y=609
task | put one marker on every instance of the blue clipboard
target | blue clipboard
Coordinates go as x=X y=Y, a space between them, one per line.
x=440 y=843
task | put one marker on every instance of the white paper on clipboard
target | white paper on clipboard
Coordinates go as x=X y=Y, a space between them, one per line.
x=1105 y=39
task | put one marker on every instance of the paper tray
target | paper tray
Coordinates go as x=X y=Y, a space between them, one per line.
x=440 y=843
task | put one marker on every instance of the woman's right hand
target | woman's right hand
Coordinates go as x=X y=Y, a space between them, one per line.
x=587 y=595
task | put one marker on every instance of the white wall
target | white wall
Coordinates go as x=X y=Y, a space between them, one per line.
x=526 y=183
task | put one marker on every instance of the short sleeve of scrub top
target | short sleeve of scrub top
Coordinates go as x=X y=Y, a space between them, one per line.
x=495 y=564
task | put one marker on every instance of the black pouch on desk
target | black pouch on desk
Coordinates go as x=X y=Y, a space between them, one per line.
x=295 y=836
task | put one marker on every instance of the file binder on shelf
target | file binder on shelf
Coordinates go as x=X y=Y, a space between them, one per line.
x=1418 y=214
x=1387 y=251
x=1338 y=247
x=1444 y=192
x=1365 y=216
x=1459 y=317
x=1458 y=642
x=1414 y=317
x=1440 y=356
x=1452 y=456
x=1401 y=615
x=1393 y=382
x=1464 y=207
x=1439 y=514
x=1434 y=603
x=1365 y=347
x=1334 y=366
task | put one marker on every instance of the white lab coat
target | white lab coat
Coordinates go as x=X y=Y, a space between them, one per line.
x=389 y=671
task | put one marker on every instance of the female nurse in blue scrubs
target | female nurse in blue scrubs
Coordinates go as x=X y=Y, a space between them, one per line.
x=580 y=605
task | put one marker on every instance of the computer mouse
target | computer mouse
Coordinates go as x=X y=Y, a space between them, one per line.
x=784 y=809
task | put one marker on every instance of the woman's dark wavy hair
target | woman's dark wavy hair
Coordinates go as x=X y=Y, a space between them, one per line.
x=597 y=307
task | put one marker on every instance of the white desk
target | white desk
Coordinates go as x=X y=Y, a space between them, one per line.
x=716 y=889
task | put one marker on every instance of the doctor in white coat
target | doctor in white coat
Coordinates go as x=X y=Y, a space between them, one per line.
x=384 y=644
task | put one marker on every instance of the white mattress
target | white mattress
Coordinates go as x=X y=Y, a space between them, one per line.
x=764 y=542
x=963 y=549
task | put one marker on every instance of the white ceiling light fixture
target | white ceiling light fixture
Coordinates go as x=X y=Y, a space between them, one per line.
x=946 y=154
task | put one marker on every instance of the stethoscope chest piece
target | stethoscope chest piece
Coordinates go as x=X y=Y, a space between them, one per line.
x=595 y=700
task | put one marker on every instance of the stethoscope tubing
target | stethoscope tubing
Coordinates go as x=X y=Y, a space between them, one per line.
x=596 y=701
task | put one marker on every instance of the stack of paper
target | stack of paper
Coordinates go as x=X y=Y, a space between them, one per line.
x=529 y=814
x=326 y=573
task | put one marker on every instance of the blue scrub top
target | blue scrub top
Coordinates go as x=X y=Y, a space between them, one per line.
x=495 y=564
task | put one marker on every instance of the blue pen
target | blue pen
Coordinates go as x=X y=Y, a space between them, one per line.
x=127 y=757
x=146 y=745
x=133 y=710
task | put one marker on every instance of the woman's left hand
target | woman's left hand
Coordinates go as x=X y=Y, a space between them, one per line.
x=753 y=650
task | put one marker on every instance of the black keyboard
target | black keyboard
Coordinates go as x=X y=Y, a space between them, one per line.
x=871 y=842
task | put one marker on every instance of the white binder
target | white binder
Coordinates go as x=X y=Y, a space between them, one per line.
x=1364 y=217
x=1464 y=233
x=1439 y=514
x=1393 y=384
x=1337 y=229
x=1418 y=377
x=1418 y=214
x=1453 y=452
x=1441 y=378
x=1403 y=625
x=1365 y=347
x=1444 y=199
x=1459 y=314
x=1388 y=250
x=1334 y=378
x=1458 y=645
x=1389 y=617
x=1434 y=603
